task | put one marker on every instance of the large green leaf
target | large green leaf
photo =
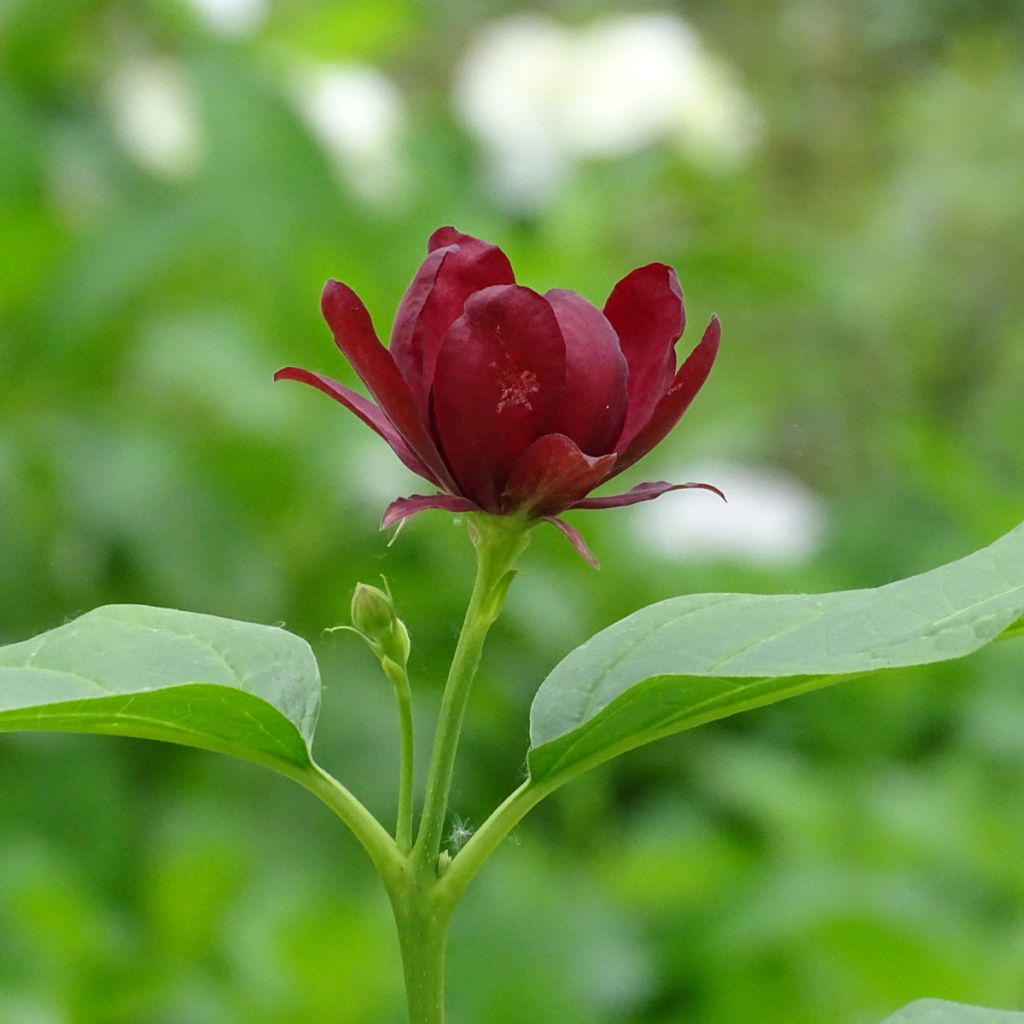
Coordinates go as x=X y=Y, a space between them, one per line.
x=128 y=670
x=689 y=660
x=935 y=1011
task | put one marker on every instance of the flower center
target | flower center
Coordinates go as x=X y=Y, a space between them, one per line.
x=517 y=388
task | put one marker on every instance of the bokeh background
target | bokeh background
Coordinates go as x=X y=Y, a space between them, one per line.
x=841 y=182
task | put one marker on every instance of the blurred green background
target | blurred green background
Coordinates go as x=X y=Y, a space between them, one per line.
x=841 y=182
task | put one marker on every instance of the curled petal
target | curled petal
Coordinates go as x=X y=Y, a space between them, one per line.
x=403 y=508
x=458 y=266
x=498 y=387
x=452 y=236
x=370 y=414
x=354 y=334
x=595 y=374
x=642 y=492
x=552 y=474
x=666 y=415
x=575 y=538
x=646 y=309
x=404 y=346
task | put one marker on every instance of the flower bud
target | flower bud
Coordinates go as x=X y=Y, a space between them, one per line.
x=374 y=618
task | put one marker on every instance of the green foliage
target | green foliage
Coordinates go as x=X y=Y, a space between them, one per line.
x=159 y=674
x=933 y=1011
x=691 y=660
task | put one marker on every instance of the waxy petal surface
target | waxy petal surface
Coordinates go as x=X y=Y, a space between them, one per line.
x=403 y=508
x=551 y=475
x=643 y=492
x=687 y=383
x=458 y=266
x=369 y=413
x=646 y=310
x=594 y=408
x=575 y=538
x=498 y=387
x=354 y=334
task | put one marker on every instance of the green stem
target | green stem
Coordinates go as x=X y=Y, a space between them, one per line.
x=499 y=541
x=422 y=923
x=399 y=676
x=371 y=834
x=489 y=836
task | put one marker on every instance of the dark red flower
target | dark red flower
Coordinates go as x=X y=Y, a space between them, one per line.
x=511 y=402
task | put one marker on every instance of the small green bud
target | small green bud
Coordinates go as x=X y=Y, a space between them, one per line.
x=374 y=618
x=373 y=611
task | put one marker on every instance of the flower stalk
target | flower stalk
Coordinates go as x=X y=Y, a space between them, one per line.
x=399 y=676
x=498 y=542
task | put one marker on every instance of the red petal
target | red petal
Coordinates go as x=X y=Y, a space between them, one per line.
x=642 y=492
x=595 y=374
x=552 y=474
x=646 y=309
x=452 y=236
x=457 y=266
x=402 y=508
x=575 y=538
x=365 y=410
x=498 y=387
x=688 y=382
x=354 y=334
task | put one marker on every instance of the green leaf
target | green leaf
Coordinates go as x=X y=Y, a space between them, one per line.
x=935 y=1011
x=154 y=673
x=693 y=659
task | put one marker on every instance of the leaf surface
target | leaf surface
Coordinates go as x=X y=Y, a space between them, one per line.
x=693 y=659
x=155 y=673
x=935 y=1011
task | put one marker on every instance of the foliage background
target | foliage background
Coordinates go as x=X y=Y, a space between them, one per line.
x=828 y=859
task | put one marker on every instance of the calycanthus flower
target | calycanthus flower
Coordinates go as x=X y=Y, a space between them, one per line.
x=511 y=402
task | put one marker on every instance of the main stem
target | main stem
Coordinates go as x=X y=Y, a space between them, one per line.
x=499 y=541
x=421 y=906
x=422 y=922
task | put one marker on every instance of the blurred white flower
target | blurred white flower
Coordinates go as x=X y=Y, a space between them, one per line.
x=770 y=520
x=154 y=115
x=509 y=91
x=232 y=17
x=539 y=96
x=358 y=115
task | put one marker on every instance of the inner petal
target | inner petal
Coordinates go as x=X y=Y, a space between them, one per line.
x=595 y=374
x=498 y=386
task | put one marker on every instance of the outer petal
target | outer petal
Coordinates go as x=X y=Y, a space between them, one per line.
x=403 y=508
x=457 y=266
x=642 y=492
x=646 y=309
x=365 y=410
x=688 y=382
x=595 y=374
x=575 y=538
x=552 y=474
x=499 y=383
x=354 y=334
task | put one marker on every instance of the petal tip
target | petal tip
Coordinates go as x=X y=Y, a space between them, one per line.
x=444 y=236
x=575 y=538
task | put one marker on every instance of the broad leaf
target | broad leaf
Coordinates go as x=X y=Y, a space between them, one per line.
x=128 y=670
x=689 y=660
x=935 y=1011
